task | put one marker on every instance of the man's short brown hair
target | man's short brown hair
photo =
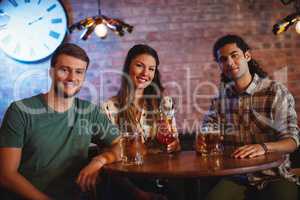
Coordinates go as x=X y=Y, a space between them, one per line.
x=70 y=49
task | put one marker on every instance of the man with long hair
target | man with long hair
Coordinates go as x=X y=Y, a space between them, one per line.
x=257 y=116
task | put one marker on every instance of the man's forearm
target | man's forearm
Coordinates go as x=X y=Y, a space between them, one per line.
x=20 y=185
x=110 y=155
x=284 y=146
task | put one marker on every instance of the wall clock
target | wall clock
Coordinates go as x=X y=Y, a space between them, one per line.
x=31 y=29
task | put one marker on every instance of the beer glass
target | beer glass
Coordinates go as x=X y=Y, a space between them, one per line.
x=209 y=142
x=132 y=148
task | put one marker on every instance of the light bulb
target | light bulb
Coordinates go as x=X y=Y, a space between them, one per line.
x=101 y=30
x=297 y=27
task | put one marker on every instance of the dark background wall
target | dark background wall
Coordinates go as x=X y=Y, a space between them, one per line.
x=183 y=32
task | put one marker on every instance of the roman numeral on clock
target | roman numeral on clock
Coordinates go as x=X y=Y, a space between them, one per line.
x=51 y=8
x=54 y=34
x=56 y=20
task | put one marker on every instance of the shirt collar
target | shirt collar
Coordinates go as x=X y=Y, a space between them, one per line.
x=250 y=89
x=253 y=85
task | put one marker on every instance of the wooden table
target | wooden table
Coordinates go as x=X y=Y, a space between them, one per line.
x=187 y=164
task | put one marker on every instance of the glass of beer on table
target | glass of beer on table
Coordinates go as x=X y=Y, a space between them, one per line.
x=132 y=148
x=209 y=141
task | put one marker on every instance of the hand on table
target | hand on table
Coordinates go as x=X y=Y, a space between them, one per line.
x=251 y=150
x=87 y=177
x=174 y=146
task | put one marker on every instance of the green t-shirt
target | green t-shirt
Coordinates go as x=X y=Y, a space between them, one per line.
x=54 y=144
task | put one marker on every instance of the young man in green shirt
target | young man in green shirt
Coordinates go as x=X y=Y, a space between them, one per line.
x=44 y=139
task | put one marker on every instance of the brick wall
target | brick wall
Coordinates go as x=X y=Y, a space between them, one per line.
x=183 y=32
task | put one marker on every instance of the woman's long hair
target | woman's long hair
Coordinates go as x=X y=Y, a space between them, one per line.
x=128 y=115
x=254 y=67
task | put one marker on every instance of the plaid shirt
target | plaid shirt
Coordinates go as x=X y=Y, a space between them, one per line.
x=264 y=112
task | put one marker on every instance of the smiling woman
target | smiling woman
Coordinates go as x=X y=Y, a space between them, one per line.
x=138 y=107
x=142 y=71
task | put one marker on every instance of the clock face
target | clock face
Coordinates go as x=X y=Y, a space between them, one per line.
x=31 y=30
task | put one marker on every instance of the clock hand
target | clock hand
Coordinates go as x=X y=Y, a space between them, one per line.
x=38 y=19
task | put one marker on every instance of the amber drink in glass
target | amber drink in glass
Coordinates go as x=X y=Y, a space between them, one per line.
x=209 y=142
x=132 y=148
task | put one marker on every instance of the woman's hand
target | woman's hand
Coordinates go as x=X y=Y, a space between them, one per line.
x=87 y=177
x=250 y=151
x=174 y=146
